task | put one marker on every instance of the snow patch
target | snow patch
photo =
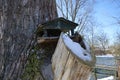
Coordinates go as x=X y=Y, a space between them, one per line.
x=107 y=55
x=107 y=78
x=87 y=46
x=77 y=49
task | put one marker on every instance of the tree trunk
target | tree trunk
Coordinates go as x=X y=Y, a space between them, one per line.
x=18 y=21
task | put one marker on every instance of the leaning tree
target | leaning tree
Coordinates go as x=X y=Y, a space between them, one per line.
x=18 y=21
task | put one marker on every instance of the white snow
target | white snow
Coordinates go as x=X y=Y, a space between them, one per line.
x=77 y=49
x=107 y=78
x=87 y=46
x=107 y=55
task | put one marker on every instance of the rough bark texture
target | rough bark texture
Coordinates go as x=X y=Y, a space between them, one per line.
x=18 y=21
x=66 y=66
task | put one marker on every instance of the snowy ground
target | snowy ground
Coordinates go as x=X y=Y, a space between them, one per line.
x=107 y=78
x=107 y=55
x=108 y=60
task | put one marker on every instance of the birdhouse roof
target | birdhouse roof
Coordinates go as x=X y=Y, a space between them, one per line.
x=59 y=23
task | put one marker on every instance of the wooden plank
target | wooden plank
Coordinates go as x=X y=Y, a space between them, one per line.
x=47 y=39
x=106 y=67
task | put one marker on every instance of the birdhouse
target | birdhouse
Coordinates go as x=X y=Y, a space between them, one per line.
x=52 y=29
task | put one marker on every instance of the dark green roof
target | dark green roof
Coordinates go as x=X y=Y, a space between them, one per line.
x=59 y=23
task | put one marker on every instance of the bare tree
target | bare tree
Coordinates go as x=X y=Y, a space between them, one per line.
x=90 y=34
x=117 y=18
x=102 y=41
x=118 y=36
x=75 y=10
x=116 y=45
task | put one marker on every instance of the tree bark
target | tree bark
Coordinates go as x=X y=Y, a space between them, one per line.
x=18 y=21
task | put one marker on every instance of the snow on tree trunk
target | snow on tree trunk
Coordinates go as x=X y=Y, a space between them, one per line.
x=67 y=66
x=18 y=21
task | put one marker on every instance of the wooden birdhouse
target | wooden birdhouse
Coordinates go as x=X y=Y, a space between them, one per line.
x=51 y=30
